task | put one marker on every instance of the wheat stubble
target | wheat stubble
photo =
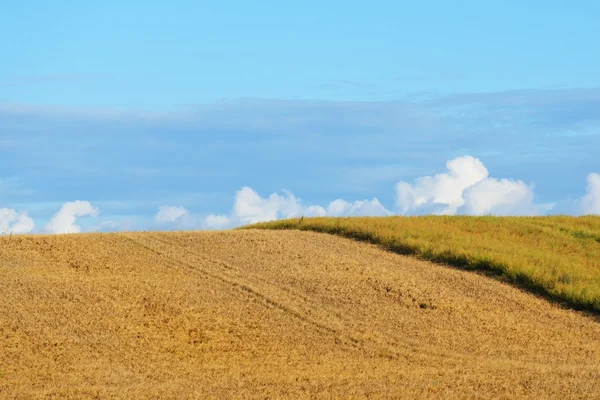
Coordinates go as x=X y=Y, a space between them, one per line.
x=273 y=314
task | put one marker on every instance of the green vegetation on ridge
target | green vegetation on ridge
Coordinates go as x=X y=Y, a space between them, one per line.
x=557 y=256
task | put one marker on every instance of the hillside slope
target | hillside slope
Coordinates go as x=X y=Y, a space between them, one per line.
x=556 y=256
x=272 y=314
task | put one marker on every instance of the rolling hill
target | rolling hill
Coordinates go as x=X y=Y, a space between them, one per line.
x=554 y=256
x=273 y=314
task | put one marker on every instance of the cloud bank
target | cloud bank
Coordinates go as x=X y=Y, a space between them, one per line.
x=342 y=208
x=466 y=187
x=250 y=207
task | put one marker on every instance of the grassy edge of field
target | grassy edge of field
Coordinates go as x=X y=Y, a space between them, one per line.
x=461 y=260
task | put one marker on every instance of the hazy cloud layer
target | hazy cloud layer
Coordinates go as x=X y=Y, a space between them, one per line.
x=388 y=154
x=356 y=149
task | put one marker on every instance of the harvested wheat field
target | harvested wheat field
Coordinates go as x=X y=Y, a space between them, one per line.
x=273 y=314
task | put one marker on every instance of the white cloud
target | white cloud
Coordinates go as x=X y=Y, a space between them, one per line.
x=217 y=222
x=177 y=217
x=590 y=203
x=250 y=208
x=314 y=211
x=466 y=189
x=441 y=193
x=499 y=197
x=12 y=221
x=339 y=207
x=170 y=214
x=64 y=221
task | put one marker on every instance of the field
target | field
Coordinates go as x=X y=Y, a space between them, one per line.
x=274 y=314
x=557 y=257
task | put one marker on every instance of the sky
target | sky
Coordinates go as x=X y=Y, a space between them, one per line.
x=188 y=115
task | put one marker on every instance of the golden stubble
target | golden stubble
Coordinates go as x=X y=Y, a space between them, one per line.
x=273 y=314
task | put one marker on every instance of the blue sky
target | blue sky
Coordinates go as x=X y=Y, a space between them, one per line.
x=133 y=106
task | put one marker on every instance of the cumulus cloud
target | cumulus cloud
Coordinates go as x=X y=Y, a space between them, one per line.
x=465 y=188
x=64 y=221
x=218 y=222
x=441 y=193
x=250 y=207
x=314 y=211
x=175 y=217
x=499 y=197
x=12 y=221
x=170 y=214
x=590 y=203
x=339 y=207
